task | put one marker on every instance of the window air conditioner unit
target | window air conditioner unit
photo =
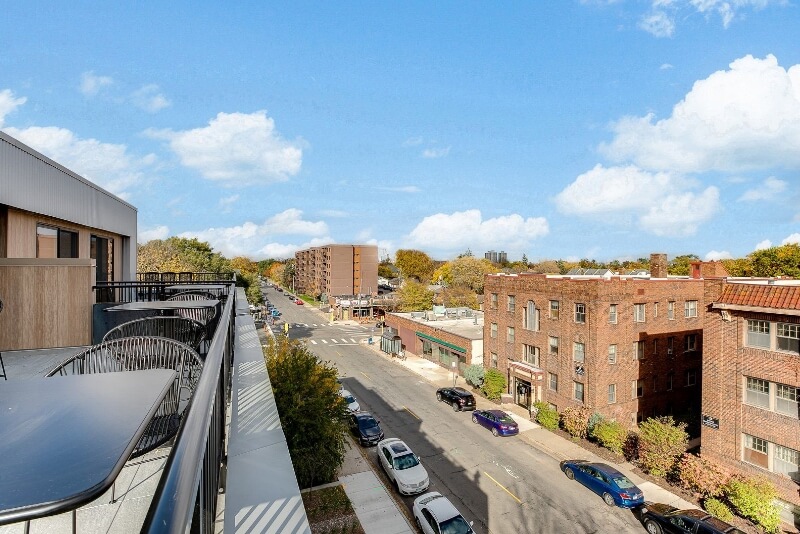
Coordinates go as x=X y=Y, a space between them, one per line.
x=669 y=351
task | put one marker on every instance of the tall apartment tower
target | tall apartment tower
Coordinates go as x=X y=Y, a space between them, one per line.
x=337 y=270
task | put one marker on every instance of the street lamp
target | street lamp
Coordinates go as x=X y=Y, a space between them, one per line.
x=453 y=366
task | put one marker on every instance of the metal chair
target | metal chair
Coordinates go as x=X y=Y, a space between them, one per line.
x=140 y=353
x=181 y=329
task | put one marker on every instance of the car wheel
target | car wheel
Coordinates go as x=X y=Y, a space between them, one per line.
x=494 y=432
x=455 y=407
x=475 y=419
x=570 y=474
x=439 y=397
x=608 y=499
x=652 y=527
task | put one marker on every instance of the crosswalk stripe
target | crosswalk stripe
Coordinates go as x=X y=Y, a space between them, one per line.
x=353 y=340
x=344 y=340
x=325 y=341
x=313 y=342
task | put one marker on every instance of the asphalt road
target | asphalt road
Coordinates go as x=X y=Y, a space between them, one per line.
x=502 y=484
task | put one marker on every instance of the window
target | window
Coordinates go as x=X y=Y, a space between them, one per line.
x=612 y=313
x=511 y=304
x=612 y=354
x=552 y=380
x=493 y=301
x=494 y=360
x=637 y=388
x=669 y=382
x=655 y=309
x=530 y=319
x=55 y=243
x=671 y=310
x=530 y=354
x=493 y=330
x=755 y=451
x=612 y=393
x=690 y=308
x=554 y=309
x=786 y=461
x=690 y=343
x=638 y=350
x=691 y=377
x=788 y=337
x=577 y=389
x=670 y=345
x=786 y=400
x=655 y=383
x=639 y=313
x=757 y=392
x=578 y=352
x=580 y=312
x=758 y=334
x=553 y=345
x=655 y=347
x=510 y=334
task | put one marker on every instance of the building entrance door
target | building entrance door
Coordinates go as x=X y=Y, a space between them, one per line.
x=523 y=393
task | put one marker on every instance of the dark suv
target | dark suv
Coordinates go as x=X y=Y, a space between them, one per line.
x=665 y=519
x=366 y=428
x=458 y=398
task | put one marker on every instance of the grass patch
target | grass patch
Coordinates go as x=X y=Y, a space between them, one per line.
x=329 y=511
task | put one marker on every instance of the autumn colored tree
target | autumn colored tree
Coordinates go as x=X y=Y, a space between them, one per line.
x=414 y=264
x=469 y=272
x=414 y=296
x=681 y=265
x=179 y=254
x=386 y=270
x=545 y=267
x=459 y=297
x=776 y=261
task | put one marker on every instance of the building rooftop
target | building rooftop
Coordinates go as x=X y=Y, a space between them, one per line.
x=454 y=320
x=762 y=295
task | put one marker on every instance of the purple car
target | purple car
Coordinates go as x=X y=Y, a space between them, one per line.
x=498 y=421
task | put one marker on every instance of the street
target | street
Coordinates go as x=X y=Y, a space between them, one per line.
x=502 y=484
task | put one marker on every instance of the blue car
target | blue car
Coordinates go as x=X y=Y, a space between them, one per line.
x=498 y=421
x=604 y=480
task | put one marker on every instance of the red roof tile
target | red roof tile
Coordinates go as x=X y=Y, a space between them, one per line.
x=761 y=296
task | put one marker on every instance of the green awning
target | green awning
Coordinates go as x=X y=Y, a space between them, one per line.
x=441 y=342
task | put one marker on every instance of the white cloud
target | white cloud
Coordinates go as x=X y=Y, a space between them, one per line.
x=665 y=66
x=464 y=229
x=402 y=189
x=413 y=141
x=657 y=23
x=763 y=245
x=8 y=103
x=150 y=99
x=793 y=238
x=769 y=190
x=91 y=84
x=226 y=203
x=281 y=251
x=433 y=153
x=108 y=165
x=237 y=148
x=663 y=204
x=744 y=118
x=159 y=232
x=714 y=255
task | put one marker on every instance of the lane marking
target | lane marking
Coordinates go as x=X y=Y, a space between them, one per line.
x=325 y=341
x=412 y=413
x=503 y=487
x=366 y=376
x=313 y=342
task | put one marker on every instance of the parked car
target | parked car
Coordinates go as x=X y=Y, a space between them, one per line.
x=280 y=290
x=402 y=466
x=298 y=302
x=614 y=487
x=366 y=428
x=275 y=312
x=435 y=514
x=498 y=421
x=458 y=398
x=352 y=403
x=662 y=519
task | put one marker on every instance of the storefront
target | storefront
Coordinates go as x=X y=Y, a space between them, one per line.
x=525 y=384
x=442 y=352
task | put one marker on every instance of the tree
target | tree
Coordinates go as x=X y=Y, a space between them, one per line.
x=414 y=296
x=386 y=270
x=459 y=297
x=545 y=267
x=179 y=254
x=469 y=272
x=414 y=264
x=287 y=277
x=738 y=267
x=680 y=265
x=776 y=261
x=312 y=413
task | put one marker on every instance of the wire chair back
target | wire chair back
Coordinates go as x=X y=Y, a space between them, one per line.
x=183 y=329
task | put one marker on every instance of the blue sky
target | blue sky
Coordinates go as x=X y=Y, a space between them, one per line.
x=558 y=129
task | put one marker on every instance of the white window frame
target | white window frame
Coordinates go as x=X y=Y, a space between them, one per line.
x=638 y=350
x=578 y=385
x=511 y=303
x=612 y=393
x=493 y=330
x=637 y=388
x=788 y=331
x=612 y=313
x=578 y=352
x=580 y=313
x=552 y=342
x=530 y=319
x=530 y=354
x=691 y=377
x=612 y=354
x=671 y=310
x=510 y=334
x=493 y=301
x=690 y=308
x=552 y=379
x=639 y=313
x=690 y=343
x=758 y=334
x=555 y=309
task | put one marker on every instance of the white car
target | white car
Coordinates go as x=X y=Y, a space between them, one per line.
x=435 y=514
x=351 y=401
x=402 y=467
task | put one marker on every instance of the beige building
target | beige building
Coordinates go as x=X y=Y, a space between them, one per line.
x=337 y=270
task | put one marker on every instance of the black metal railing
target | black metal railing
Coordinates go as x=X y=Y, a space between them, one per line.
x=186 y=497
x=153 y=286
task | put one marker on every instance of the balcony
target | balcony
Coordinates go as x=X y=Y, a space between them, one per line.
x=226 y=469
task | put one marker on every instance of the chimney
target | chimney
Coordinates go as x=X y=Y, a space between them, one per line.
x=658 y=265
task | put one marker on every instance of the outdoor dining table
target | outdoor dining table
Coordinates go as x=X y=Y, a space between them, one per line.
x=64 y=440
x=164 y=305
x=212 y=288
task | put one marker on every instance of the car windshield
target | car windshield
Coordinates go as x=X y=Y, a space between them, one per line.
x=350 y=399
x=506 y=419
x=455 y=525
x=407 y=461
x=367 y=423
x=624 y=483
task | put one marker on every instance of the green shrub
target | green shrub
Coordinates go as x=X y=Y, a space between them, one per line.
x=661 y=442
x=494 y=383
x=718 y=509
x=575 y=420
x=473 y=374
x=593 y=420
x=700 y=476
x=546 y=415
x=752 y=498
x=630 y=450
x=610 y=434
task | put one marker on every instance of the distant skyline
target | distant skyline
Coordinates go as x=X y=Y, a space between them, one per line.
x=601 y=129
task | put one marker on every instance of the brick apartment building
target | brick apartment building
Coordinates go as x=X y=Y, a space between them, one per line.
x=628 y=347
x=751 y=372
x=337 y=270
